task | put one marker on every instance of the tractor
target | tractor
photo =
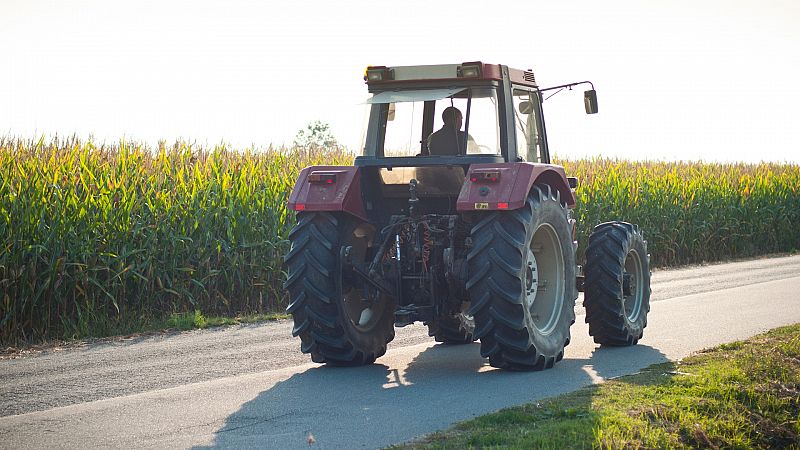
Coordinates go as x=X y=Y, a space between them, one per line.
x=454 y=216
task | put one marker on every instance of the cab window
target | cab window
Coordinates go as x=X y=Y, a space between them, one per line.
x=407 y=133
x=527 y=125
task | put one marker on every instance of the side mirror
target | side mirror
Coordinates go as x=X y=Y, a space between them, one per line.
x=590 y=101
x=525 y=107
x=392 y=109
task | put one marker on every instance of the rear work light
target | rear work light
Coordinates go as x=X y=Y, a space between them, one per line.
x=378 y=73
x=322 y=178
x=485 y=177
x=470 y=70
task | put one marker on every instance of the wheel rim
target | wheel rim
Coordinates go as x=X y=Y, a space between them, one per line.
x=364 y=306
x=635 y=274
x=544 y=279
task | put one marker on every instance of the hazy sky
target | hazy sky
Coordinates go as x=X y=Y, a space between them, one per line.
x=693 y=79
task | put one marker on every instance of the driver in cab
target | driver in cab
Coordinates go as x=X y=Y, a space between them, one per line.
x=449 y=140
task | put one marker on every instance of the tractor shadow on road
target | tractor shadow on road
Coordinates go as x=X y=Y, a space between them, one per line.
x=378 y=405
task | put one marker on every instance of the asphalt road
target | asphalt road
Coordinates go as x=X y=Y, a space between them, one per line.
x=249 y=386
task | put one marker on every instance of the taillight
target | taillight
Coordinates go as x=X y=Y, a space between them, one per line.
x=322 y=178
x=485 y=177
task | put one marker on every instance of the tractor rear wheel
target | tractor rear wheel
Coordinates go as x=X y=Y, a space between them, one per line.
x=337 y=322
x=617 y=284
x=522 y=283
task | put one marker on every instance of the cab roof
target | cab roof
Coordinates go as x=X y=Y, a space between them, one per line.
x=391 y=76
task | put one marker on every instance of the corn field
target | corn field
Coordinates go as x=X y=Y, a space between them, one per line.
x=692 y=212
x=96 y=238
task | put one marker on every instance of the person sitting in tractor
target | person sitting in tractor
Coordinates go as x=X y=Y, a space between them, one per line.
x=449 y=140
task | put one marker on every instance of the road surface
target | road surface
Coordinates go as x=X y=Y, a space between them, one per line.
x=249 y=386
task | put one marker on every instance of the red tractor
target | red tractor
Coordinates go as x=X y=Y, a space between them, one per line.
x=455 y=217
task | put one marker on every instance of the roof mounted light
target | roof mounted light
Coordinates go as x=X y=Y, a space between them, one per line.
x=470 y=70
x=378 y=73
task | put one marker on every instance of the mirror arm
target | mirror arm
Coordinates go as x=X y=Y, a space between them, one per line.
x=570 y=85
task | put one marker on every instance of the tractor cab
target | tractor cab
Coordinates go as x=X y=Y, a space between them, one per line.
x=500 y=112
x=441 y=125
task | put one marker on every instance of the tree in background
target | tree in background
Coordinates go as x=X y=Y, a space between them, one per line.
x=316 y=137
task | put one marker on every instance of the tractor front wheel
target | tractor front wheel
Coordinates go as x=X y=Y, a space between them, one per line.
x=617 y=284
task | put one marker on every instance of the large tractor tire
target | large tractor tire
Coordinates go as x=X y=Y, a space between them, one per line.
x=337 y=323
x=617 y=284
x=453 y=329
x=522 y=283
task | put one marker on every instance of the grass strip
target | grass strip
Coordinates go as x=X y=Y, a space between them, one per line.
x=197 y=320
x=740 y=395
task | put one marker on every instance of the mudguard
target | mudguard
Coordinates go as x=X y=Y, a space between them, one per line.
x=505 y=186
x=328 y=188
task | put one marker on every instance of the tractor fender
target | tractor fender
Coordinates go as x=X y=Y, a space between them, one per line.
x=328 y=188
x=505 y=186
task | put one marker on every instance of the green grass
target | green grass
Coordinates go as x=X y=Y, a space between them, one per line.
x=740 y=395
x=197 y=320
x=187 y=321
